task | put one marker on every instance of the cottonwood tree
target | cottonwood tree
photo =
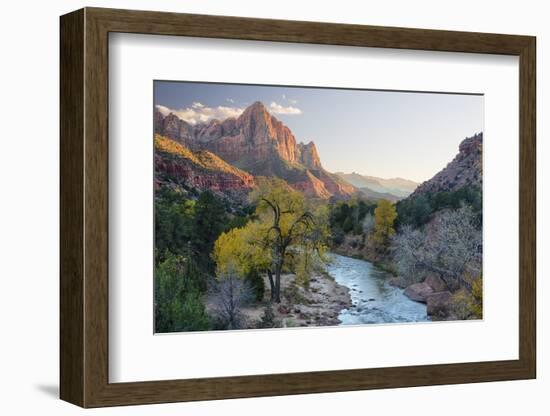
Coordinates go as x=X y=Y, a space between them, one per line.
x=384 y=216
x=285 y=230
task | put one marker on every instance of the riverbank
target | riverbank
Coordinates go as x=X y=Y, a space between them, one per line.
x=320 y=305
x=374 y=300
x=432 y=292
x=353 y=247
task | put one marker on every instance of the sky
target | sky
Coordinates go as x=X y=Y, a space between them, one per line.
x=411 y=135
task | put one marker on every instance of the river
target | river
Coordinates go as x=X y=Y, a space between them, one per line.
x=374 y=300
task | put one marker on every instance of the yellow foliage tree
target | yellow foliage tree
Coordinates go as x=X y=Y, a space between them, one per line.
x=285 y=231
x=384 y=216
x=240 y=251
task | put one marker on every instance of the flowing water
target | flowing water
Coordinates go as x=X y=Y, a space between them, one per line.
x=374 y=300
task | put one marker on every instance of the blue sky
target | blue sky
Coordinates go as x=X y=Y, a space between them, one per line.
x=380 y=133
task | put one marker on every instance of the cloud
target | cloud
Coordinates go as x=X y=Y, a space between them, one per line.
x=199 y=113
x=163 y=110
x=280 y=109
x=231 y=100
x=293 y=101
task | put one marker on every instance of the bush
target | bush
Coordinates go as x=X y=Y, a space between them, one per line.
x=477 y=293
x=228 y=293
x=462 y=304
x=178 y=300
x=468 y=304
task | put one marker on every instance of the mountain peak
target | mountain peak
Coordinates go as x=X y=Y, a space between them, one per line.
x=256 y=108
x=257 y=113
x=308 y=155
x=257 y=104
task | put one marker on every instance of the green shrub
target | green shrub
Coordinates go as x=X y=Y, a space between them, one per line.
x=178 y=299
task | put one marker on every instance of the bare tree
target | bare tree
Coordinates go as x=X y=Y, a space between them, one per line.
x=458 y=245
x=228 y=294
x=451 y=246
x=410 y=254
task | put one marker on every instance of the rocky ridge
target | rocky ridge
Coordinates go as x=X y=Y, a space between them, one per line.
x=176 y=165
x=464 y=169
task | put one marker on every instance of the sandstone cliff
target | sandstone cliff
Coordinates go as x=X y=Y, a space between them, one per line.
x=176 y=165
x=258 y=143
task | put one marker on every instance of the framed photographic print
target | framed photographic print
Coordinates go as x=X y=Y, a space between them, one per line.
x=259 y=207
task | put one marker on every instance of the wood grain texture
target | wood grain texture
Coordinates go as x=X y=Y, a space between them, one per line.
x=84 y=205
x=71 y=208
x=527 y=208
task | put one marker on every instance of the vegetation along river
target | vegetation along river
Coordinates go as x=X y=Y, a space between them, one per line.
x=373 y=299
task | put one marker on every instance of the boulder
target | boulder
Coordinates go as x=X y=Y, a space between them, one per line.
x=439 y=304
x=436 y=283
x=418 y=291
x=397 y=282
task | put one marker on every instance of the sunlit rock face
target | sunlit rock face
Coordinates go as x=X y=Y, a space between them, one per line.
x=176 y=165
x=260 y=144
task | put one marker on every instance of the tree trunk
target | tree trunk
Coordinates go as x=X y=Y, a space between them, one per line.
x=278 y=271
x=271 y=284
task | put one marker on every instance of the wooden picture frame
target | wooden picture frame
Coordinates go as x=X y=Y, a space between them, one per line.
x=84 y=207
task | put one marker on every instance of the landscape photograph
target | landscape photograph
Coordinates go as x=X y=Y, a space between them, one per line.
x=290 y=206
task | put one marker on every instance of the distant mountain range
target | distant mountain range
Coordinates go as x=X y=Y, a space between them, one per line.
x=393 y=189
